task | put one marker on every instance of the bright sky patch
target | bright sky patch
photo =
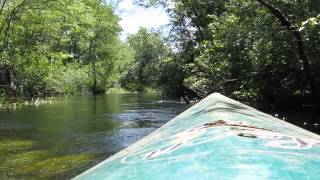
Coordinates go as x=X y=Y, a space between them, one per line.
x=133 y=17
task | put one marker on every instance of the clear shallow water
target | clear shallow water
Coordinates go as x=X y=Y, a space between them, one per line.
x=61 y=140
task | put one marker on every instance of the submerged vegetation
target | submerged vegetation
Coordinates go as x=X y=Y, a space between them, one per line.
x=253 y=50
x=23 y=161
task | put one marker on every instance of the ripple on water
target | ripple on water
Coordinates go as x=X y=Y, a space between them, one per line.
x=61 y=140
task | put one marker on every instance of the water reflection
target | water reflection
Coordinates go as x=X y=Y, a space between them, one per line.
x=76 y=132
x=305 y=117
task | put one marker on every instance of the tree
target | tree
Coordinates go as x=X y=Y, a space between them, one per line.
x=45 y=45
x=104 y=32
x=239 y=48
x=149 y=49
x=299 y=41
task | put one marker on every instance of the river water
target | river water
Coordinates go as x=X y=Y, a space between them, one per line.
x=61 y=140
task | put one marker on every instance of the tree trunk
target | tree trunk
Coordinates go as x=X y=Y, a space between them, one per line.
x=94 y=87
x=9 y=20
x=2 y=6
x=299 y=43
x=7 y=31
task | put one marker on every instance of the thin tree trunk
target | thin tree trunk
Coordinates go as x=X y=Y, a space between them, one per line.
x=7 y=31
x=9 y=20
x=194 y=12
x=94 y=88
x=93 y=59
x=299 y=42
x=2 y=6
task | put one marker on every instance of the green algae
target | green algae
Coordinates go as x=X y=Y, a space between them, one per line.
x=56 y=166
x=38 y=165
x=15 y=146
x=25 y=158
x=14 y=162
x=18 y=159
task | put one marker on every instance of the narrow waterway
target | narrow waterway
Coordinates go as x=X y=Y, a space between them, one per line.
x=63 y=139
x=60 y=140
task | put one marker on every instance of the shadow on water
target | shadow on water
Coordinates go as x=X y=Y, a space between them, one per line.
x=61 y=140
x=306 y=117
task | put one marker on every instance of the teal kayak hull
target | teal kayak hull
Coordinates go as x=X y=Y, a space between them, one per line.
x=218 y=138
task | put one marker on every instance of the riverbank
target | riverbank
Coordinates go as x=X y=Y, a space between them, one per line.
x=15 y=103
x=19 y=103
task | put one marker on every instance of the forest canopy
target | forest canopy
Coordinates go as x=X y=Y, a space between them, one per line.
x=249 y=49
x=58 y=46
x=255 y=49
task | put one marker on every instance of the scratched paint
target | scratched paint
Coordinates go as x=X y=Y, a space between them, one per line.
x=217 y=138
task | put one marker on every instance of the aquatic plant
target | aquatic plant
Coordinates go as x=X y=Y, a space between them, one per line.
x=56 y=166
x=13 y=146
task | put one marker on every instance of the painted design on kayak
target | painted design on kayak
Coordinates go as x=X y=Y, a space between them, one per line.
x=276 y=140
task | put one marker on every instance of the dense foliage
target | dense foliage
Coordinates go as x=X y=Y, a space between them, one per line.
x=251 y=49
x=57 y=46
x=149 y=50
x=155 y=65
x=258 y=49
